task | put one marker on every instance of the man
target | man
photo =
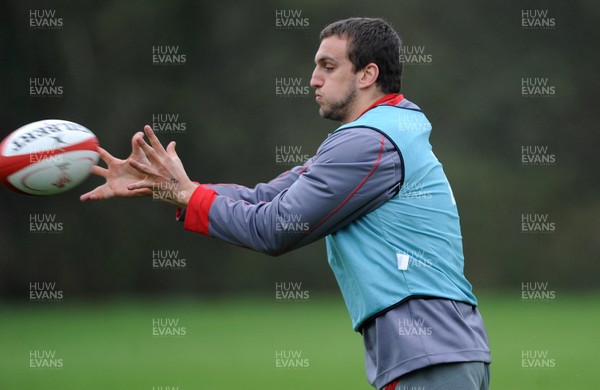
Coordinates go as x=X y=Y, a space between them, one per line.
x=375 y=191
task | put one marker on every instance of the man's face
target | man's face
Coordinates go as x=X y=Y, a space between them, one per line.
x=334 y=80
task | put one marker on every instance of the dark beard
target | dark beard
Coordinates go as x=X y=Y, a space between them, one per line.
x=339 y=110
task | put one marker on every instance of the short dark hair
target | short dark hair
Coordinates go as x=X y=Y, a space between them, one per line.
x=371 y=40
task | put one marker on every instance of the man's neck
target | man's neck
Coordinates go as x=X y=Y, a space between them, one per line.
x=362 y=104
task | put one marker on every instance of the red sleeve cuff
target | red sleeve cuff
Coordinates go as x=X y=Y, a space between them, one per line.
x=196 y=213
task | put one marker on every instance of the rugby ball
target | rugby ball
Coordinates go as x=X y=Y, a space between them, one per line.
x=47 y=157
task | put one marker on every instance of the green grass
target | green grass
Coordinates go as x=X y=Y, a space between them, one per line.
x=567 y=328
x=232 y=344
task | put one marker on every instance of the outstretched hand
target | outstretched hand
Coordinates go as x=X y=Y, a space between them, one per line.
x=162 y=171
x=119 y=174
x=150 y=170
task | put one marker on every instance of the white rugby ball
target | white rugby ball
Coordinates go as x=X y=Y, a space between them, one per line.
x=47 y=157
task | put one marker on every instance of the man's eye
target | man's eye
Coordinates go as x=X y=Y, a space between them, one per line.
x=329 y=68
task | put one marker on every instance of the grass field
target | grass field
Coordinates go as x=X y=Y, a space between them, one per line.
x=227 y=344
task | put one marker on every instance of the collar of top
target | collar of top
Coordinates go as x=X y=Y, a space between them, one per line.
x=388 y=100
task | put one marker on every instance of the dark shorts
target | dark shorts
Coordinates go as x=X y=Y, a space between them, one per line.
x=422 y=333
x=449 y=376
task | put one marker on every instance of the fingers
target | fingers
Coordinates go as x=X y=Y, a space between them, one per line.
x=142 y=168
x=141 y=185
x=155 y=150
x=154 y=141
x=135 y=138
x=97 y=193
x=148 y=150
x=105 y=156
x=139 y=192
x=87 y=196
x=171 y=149
x=99 y=171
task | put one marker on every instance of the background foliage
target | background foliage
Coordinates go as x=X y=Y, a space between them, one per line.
x=225 y=93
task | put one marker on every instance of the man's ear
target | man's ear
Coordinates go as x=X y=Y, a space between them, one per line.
x=369 y=75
